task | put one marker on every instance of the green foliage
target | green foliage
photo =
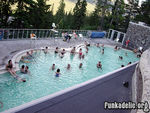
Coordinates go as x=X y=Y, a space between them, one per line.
x=5 y=11
x=79 y=13
x=144 y=14
x=37 y=14
x=59 y=17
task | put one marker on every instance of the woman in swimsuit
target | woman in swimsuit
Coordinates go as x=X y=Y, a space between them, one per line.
x=9 y=67
x=80 y=52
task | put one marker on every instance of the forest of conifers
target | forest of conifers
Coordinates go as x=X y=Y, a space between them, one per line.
x=38 y=15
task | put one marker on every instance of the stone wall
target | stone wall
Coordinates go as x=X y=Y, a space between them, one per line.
x=144 y=66
x=139 y=36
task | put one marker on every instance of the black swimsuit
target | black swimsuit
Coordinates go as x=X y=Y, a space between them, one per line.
x=10 y=66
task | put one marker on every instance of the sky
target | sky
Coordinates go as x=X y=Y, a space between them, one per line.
x=140 y=2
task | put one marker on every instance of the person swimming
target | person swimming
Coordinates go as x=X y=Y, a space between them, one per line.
x=122 y=65
x=116 y=48
x=53 y=67
x=22 y=69
x=63 y=51
x=129 y=63
x=61 y=55
x=83 y=56
x=73 y=50
x=56 y=50
x=80 y=52
x=99 y=65
x=97 y=45
x=120 y=57
x=68 y=66
x=26 y=70
x=57 y=73
x=80 y=65
x=46 y=50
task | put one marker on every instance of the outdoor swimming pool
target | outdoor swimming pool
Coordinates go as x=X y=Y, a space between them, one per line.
x=43 y=82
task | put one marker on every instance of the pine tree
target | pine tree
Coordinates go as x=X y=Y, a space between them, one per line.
x=5 y=11
x=59 y=17
x=41 y=15
x=117 y=17
x=79 y=13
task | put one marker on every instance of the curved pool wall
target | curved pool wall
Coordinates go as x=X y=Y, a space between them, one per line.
x=87 y=97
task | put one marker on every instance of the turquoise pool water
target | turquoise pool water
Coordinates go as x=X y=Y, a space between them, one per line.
x=43 y=82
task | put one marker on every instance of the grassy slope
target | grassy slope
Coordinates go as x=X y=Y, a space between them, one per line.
x=69 y=5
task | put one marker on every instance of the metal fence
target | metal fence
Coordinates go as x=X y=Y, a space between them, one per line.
x=40 y=33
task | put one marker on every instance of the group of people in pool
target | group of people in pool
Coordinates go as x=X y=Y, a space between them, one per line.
x=25 y=69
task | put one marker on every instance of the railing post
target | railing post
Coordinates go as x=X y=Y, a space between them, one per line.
x=112 y=34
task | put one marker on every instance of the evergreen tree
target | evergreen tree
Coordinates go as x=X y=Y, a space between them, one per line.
x=5 y=11
x=117 y=17
x=144 y=13
x=59 y=17
x=40 y=15
x=22 y=13
x=79 y=13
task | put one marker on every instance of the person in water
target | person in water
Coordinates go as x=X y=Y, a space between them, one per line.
x=63 y=51
x=53 y=67
x=68 y=66
x=80 y=53
x=120 y=57
x=22 y=69
x=103 y=51
x=97 y=45
x=57 y=73
x=61 y=55
x=73 y=50
x=46 y=50
x=9 y=68
x=83 y=56
x=56 y=50
x=99 y=65
x=116 y=48
x=129 y=63
x=80 y=65
x=26 y=70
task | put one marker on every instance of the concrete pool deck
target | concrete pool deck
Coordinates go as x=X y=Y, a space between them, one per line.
x=9 y=48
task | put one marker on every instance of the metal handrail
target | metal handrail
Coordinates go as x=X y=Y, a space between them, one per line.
x=40 y=33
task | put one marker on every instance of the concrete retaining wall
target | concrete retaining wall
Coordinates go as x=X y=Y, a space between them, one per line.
x=88 y=97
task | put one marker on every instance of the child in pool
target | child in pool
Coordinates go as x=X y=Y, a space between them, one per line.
x=68 y=67
x=99 y=65
x=57 y=73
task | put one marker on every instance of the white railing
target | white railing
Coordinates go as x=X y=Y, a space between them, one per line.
x=40 y=33
x=116 y=36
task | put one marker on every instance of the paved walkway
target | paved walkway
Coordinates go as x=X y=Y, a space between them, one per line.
x=12 y=47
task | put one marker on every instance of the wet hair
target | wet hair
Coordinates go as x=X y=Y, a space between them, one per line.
x=46 y=47
x=122 y=65
x=9 y=61
x=56 y=47
x=53 y=64
x=27 y=67
x=22 y=66
x=58 y=70
x=129 y=62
